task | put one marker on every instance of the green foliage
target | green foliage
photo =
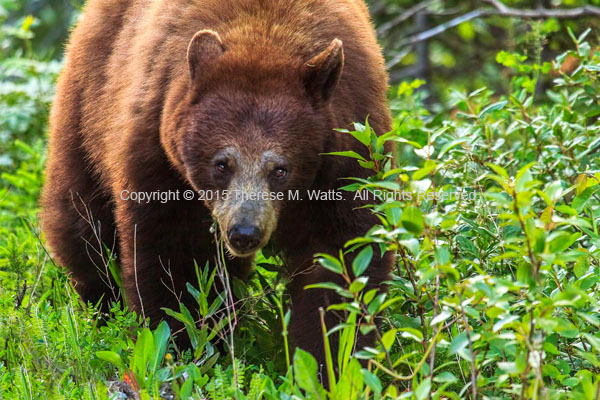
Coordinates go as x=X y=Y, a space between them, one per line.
x=494 y=215
x=464 y=54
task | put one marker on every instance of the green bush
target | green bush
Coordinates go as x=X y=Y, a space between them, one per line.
x=494 y=294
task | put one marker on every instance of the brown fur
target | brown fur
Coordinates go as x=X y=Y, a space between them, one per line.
x=127 y=116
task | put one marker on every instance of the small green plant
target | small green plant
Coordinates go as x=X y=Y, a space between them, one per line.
x=200 y=338
x=144 y=373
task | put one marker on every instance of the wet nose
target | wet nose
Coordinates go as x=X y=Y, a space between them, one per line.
x=244 y=237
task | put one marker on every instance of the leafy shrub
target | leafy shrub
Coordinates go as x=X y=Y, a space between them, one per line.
x=494 y=216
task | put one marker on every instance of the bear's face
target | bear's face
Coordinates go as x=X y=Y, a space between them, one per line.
x=245 y=154
x=249 y=150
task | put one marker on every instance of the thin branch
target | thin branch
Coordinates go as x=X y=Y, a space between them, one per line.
x=394 y=375
x=500 y=6
x=135 y=270
x=437 y=328
x=470 y=341
x=37 y=280
x=504 y=11
x=541 y=13
x=428 y=34
x=385 y=28
x=20 y=296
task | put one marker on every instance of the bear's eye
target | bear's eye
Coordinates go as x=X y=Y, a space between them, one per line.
x=221 y=167
x=279 y=172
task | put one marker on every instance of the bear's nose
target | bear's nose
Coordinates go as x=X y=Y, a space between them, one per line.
x=244 y=237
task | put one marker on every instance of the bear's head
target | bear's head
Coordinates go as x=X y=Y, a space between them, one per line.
x=251 y=132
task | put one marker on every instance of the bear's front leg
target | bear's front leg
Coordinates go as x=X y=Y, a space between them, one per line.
x=159 y=243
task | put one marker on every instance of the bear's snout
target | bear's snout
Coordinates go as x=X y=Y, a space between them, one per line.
x=244 y=238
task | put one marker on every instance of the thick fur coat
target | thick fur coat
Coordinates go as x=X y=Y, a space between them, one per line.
x=153 y=90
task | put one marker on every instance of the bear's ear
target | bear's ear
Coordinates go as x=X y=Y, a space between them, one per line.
x=204 y=49
x=322 y=73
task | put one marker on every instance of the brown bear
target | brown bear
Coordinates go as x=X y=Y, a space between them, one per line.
x=220 y=97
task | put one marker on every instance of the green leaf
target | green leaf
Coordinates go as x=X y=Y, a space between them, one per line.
x=477 y=92
x=445 y=377
x=369 y=296
x=508 y=367
x=393 y=214
x=161 y=338
x=582 y=37
x=441 y=317
x=581 y=199
x=331 y=263
x=550 y=371
x=324 y=285
x=113 y=358
x=376 y=303
x=305 y=373
x=362 y=261
x=499 y=170
x=389 y=338
x=142 y=352
x=523 y=177
x=554 y=190
x=563 y=241
x=372 y=381
x=423 y=389
x=349 y=154
x=459 y=342
x=359 y=284
x=442 y=256
x=449 y=146
x=493 y=107
x=426 y=170
x=593 y=340
x=411 y=244
x=361 y=133
x=411 y=333
x=383 y=185
x=412 y=220
x=570 y=382
x=504 y=321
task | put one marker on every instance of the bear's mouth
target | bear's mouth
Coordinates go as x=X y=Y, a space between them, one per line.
x=245 y=252
x=241 y=254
